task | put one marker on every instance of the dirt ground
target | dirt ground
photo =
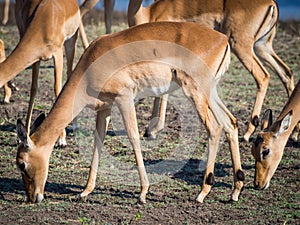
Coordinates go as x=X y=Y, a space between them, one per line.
x=175 y=181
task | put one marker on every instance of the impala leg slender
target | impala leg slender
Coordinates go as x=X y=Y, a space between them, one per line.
x=70 y=49
x=157 y=122
x=102 y=122
x=108 y=10
x=127 y=109
x=33 y=91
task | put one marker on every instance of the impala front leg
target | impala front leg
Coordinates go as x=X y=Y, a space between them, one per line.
x=70 y=48
x=128 y=112
x=231 y=131
x=33 y=90
x=102 y=121
x=215 y=132
x=108 y=10
x=5 y=12
x=58 y=72
x=7 y=93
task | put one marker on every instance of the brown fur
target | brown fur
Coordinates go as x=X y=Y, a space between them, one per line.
x=249 y=25
x=273 y=140
x=115 y=69
x=43 y=26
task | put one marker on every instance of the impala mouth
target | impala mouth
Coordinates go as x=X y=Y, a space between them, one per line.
x=266 y=186
x=39 y=198
x=36 y=199
x=262 y=188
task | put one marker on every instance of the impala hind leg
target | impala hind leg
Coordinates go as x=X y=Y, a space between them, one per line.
x=127 y=109
x=102 y=121
x=157 y=122
x=261 y=76
x=264 y=50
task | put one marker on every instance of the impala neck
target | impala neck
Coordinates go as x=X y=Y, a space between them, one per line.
x=292 y=104
x=137 y=14
x=22 y=57
x=67 y=106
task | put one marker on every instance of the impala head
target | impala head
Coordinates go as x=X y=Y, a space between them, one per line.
x=268 y=148
x=32 y=163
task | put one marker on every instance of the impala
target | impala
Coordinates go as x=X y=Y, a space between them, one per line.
x=44 y=27
x=250 y=27
x=149 y=59
x=269 y=144
x=108 y=10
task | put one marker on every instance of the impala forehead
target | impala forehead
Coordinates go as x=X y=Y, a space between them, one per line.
x=261 y=142
x=263 y=139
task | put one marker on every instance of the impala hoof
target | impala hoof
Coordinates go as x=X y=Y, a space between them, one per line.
x=62 y=142
x=246 y=137
x=200 y=198
x=149 y=135
x=141 y=201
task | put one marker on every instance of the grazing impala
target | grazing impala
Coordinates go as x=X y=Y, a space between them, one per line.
x=250 y=27
x=269 y=144
x=44 y=27
x=149 y=59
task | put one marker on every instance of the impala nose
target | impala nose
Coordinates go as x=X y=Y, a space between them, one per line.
x=256 y=186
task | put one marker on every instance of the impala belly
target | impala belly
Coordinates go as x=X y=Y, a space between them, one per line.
x=152 y=79
x=157 y=90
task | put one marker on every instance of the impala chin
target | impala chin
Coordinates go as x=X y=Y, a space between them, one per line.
x=266 y=186
x=262 y=185
x=39 y=198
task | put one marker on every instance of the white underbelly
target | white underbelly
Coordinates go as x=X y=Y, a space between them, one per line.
x=157 y=90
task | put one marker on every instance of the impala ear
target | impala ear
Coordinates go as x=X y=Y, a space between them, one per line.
x=267 y=119
x=23 y=136
x=38 y=121
x=284 y=124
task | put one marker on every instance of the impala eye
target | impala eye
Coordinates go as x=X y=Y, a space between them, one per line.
x=265 y=153
x=22 y=166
